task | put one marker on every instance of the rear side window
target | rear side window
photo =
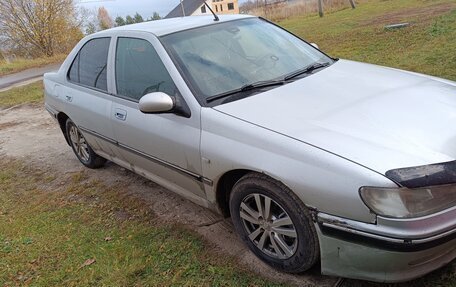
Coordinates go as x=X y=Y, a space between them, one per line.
x=90 y=65
x=140 y=71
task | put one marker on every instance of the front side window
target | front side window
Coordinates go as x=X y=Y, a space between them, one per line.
x=90 y=65
x=225 y=57
x=139 y=70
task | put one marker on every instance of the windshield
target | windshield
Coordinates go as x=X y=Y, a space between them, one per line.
x=221 y=58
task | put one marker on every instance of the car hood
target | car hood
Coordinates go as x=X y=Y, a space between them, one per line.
x=378 y=117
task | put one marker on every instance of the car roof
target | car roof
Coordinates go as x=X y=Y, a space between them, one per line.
x=168 y=26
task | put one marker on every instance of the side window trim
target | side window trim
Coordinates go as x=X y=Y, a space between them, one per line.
x=76 y=57
x=115 y=92
x=183 y=108
x=112 y=71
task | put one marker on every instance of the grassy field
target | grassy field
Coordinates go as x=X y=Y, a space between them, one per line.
x=32 y=93
x=76 y=232
x=428 y=45
x=21 y=64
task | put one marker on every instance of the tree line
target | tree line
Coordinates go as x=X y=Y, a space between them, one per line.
x=104 y=21
x=137 y=18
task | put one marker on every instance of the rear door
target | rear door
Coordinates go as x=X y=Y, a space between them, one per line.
x=163 y=147
x=87 y=97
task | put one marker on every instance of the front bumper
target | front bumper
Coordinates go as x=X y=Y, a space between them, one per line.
x=391 y=250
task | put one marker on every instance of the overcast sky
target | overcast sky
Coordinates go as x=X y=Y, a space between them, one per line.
x=129 y=7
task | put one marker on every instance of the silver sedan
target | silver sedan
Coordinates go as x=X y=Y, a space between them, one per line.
x=316 y=159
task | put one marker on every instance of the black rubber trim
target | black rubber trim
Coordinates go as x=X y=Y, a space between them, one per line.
x=406 y=246
x=425 y=175
x=174 y=167
x=51 y=111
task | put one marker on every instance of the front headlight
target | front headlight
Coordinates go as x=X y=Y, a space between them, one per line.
x=408 y=203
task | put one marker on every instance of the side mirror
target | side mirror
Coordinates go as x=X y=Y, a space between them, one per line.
x=315 y=45
x=157 y=102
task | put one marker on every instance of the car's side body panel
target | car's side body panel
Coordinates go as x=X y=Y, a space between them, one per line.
x=89 y=108
x=161 y=149
x=165 y=145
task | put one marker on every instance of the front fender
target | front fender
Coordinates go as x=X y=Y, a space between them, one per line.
x=322 y=180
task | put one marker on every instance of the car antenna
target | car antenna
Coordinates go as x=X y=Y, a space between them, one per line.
x=216 y=18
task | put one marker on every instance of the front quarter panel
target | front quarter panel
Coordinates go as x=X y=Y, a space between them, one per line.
x=321 y=180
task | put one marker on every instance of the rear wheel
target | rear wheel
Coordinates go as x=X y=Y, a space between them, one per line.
x=274 y=223
x=81 y=148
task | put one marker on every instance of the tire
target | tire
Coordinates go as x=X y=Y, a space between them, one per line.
x=269 y=234
x=81 y=148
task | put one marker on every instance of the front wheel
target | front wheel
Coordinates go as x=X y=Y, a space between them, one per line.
x=274 y=223
x=81 y=148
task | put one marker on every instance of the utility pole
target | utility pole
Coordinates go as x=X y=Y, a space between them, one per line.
x=182 y=5
x=265 y=8
x=286 y=9
x=320 y=8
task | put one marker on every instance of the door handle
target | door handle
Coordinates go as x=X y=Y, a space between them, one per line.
x=120 y=114
x=69 y=98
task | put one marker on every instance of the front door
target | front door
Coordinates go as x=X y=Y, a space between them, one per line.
x=162 y=147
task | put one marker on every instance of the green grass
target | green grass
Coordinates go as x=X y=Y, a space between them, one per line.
x=21 y=64
x=48 y=230
x=32 y=93
x=427 y=46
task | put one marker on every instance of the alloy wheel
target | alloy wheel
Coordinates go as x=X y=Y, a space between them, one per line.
x=268 y=226
x=79 y=144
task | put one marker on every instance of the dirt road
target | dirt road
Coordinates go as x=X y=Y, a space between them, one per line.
x=30 y=134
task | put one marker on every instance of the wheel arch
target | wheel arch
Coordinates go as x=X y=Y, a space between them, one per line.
x=226 y=183
x=62 y=119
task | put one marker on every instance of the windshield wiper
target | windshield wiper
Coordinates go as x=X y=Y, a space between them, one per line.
x=262 y=84
x=247 y=87
x=305 y=70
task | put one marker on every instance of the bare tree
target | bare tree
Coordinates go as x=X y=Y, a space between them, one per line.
x=40 y=27
x=104 y=20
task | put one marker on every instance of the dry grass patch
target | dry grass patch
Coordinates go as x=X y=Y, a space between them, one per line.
x=20 y=64
x=284 y=10
x=415 y=14
x=32 y=93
